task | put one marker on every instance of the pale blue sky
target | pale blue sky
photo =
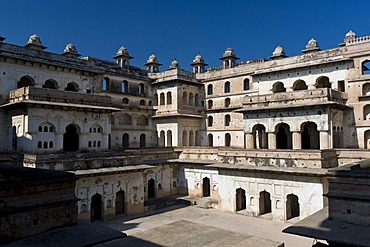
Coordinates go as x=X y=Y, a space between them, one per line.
x=182 y=28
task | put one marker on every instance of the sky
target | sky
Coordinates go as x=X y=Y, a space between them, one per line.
x=179 y=29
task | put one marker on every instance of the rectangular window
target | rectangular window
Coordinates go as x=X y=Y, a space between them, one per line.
x=341 y=87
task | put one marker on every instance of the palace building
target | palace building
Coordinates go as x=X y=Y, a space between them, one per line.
x=255 y=137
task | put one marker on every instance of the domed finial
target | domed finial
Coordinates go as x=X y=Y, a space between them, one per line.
x=229 y=52
x=174 y=64
x=122 y=51
x=311 y=46
x=278 y=53
x=71 y=51
x=34 y=42
x=152 y=59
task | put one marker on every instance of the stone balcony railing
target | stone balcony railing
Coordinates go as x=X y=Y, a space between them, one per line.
x=295 y=98
x=54 y=95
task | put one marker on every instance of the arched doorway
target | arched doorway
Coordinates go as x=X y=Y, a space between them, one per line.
x=206 y=187
x=142 y=140
x=292 y=206
x=323 y=82
x=299 y=85
x=210 y=140
x=260 y=136
x=120 y=202
x=283 y=137
x=264 y=203
x=96 y=207
x=71 y=138
x=25 y=81
x=125 y=141
x=227 y=140
x=240 y=199
x=151 y=188
x=310 y=137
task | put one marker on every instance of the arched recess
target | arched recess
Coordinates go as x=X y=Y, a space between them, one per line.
x=96 y=207
x=210 y=89
x=162 y=138
x=25 y=81
x=210 y=140
x=227 y=87
x=185 y=98
x=126 y=119
x=161 y=99
x=155 y=99
x=299 y=85
x=323 y=82
x=141 y=88
x=72 y=87
x=197 y=138
x=367 y=112
x=191 y=138
x=366 y=89
x=169 y=138
x=142 y=102
x=151 y=188
x=71 y=138
x=365 y=67
x=264 y=203
x=142 y=121
x=227 y=120
x=367 y=139
x=206 y=187
x=191 y=99
x=241 y=202
x=105 y=84
x=292 y=206
x=246 y=84
x=278 y=87
x=184 y=138
x=310 y=136
x=260 y=137
x=125 y=140
x=283 y=136
x=50 y=84
x=120 y=202
x=196 y=98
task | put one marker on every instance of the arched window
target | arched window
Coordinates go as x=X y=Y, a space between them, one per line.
x=278 y=87
x=125 y=101
x=227 y=87
x=366 y=89
x=210 y=140
x=124 y=87
x=149 y=103
x=105 y=84
x=169 y=98
x=367 y=112
x=184 y=138
x=210 y=89
x=50 y=84
x=299 y=85
x=365 y=67
x=227 y=102
x=283 y=136
x=246 y=84
x=142 y=102
x=45 y=144
x=210 y=104
x=185 y=98
x=227 y=140
x=25 y=81
x=197 y=100
x=210 y=121
x=191 y=99
x=72 y=87
x=227 y=120
x=40 y=128
x=323 y=82
x=51 y=145
x=46 y=128
x=161 y=100
x=141 y=88
x=39 y=144
x=155 y=99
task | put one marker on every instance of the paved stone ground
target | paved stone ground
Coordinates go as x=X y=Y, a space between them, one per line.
x=135 y=226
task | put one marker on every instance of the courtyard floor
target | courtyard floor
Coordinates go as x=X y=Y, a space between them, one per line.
x=181 y=225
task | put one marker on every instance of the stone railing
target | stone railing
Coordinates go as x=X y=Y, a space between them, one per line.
x=54 y=95
x=301 y=97
x=358 y=40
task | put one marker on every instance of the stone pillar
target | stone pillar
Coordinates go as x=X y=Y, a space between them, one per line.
x=324 y=140
x=58 y=141
x=297 y=142
x=271 y=140
x=249 y=140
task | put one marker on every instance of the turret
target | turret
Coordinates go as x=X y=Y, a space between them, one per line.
x=152 y=64
x=229 y=58
x=123 y=57
x=198 y=64
x=34 y=42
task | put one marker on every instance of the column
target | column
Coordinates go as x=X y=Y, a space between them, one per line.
x=104 y=141
x=324 y=140
x=249 y=140
x=297 y=142
x=271 y=140
x=58 y=141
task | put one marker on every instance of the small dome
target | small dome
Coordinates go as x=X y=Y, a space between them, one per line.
x=34 y=40
x=229 y=52
x=152 y=59
x=198 y=58
x=278 y=52
x=175 y=64
x=312 y=45
x=122 y=51
x=350 y=35
x=70 y=48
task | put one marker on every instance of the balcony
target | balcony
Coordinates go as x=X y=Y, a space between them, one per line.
x=319 y=96
x=58 y=96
